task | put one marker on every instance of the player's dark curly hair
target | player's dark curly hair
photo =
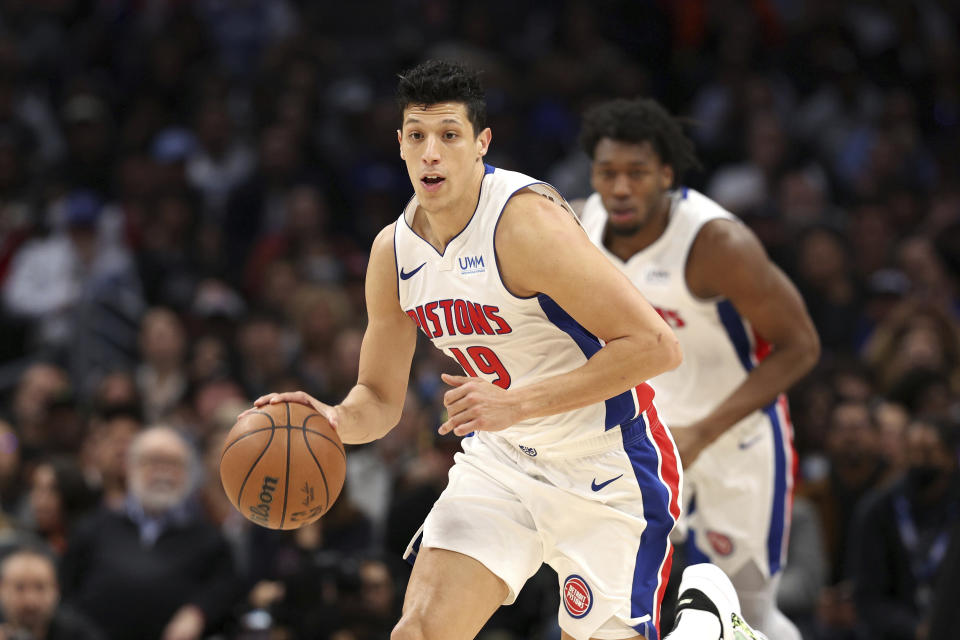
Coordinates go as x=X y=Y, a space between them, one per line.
x=636 y=121
x=437 y=81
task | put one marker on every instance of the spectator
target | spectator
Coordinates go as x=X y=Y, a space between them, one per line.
x=221 y=161
x=106 y=448
x=265 y=351
x=169 y=261
x=892 y=420
x=828 y=286
x=162 y=377
x=89 y=131
x=78 y=288
x=154 y=570
x=855 y=469
x=57 y=496
x=30 y=601
x=38 y=387
x=917 y=335
x=257 y=206
x=903 y=535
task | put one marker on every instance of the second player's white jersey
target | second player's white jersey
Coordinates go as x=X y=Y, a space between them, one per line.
x=457 y=298
x=719 y=346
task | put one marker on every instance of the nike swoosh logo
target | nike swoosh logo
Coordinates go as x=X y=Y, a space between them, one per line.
x=597 y=487
x=746 y=444
x=406 y=275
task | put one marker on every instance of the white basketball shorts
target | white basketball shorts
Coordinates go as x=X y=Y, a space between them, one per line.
x=599 y=512
x=739 y=493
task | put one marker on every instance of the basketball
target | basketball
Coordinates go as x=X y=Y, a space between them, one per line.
x=282 y=466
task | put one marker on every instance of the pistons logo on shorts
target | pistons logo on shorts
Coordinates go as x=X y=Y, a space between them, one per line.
x=722 y=544
x=577 y=597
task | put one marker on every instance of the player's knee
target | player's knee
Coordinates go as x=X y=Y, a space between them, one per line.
x=410 y=627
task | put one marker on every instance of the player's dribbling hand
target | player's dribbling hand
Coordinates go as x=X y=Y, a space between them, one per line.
x=328 y=412
x=476 y=405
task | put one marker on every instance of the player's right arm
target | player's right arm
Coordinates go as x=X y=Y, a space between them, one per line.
x=375 y=403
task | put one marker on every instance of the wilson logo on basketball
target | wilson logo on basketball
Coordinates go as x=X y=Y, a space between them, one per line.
x=261 y=512
x=577 y=597
x=720 y=543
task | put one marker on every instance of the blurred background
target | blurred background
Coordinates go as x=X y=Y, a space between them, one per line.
x=188 y=191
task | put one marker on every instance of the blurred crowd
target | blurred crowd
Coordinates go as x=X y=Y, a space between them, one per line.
x=187 y=193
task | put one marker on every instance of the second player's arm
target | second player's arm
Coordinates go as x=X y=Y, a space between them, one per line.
x=375 y=403
x=541 y=249
x=727 y=260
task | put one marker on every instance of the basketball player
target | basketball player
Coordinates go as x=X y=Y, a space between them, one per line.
x=745 y=333
x=564 y=460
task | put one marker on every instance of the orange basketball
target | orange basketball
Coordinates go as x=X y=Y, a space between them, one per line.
x=283 y=465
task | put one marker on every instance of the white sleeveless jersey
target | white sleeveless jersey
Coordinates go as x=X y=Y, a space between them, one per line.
x=719 y=346
x=458 y=299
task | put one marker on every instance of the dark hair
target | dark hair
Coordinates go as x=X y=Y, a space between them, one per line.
x=75 y=496
x=436 y=81
x=637 y=121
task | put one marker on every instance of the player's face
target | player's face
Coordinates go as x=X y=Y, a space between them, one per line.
x=632 y=182
x=444 y=156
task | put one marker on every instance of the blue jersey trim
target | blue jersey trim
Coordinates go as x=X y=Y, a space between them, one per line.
x=737 y=333
x=411 y=557
x=620 y=408
x=589 y=344
x=778 y=511
x=396 y=264
x=655 y=539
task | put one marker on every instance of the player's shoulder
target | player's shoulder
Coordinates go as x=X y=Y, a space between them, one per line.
x=727 y=239
x=385 y=239
x=723 y=245
x=383 y=253
x=693 y=203
x=535 y=213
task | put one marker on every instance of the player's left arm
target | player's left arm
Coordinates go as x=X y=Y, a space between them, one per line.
x=542 y=249
x=727 y=260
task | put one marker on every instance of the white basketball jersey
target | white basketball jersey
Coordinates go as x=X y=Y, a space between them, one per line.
x=458 y=299
x=719 y=346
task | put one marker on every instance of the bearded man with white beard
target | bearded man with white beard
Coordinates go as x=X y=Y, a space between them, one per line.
x=155 y=569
